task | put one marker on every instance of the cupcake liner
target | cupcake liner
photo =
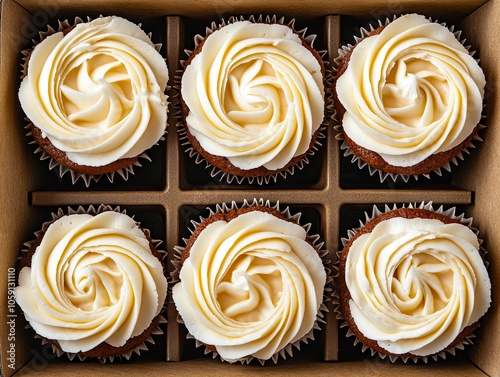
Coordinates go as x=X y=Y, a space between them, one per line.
x=91 y=210
x=468 y=340
x=345 y=49
x=315 y=240
x=127 y=355
x=376 y=212
x=273 y=177
x=124 y=172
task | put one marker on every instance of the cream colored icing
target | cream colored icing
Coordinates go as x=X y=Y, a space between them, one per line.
x=416 y=284
x=255 y=95
x=98 y=92
x=92 y=280
x=250 y=286
x=411 y=91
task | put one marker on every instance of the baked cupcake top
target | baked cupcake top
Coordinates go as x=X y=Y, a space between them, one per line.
x=92 y=280
x=416 y=282
x=250 y=283
x=410 y=91
x=255 y=95
x=97 y=92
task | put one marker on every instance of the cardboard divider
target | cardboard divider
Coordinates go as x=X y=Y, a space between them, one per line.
x=179 y=191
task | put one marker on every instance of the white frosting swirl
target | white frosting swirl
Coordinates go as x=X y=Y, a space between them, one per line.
x=411 y=91
x=415 y=284
x=250 y=286
x=255 y=95
x=98 y=92
x=92 y=279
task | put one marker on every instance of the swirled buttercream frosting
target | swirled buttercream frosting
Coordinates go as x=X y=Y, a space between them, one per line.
x=416 y=283
x=97 y=93
x=92 y=280
x=410 y=92
x=255 y=95
x=250 y=286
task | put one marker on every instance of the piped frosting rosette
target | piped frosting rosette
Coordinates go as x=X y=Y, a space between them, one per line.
x=251 y=284
x=94 y=94
x=414 y=282
x=253 y=96
x=93 y=285
x=412 y=94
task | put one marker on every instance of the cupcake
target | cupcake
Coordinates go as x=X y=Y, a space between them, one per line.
x=409 y=97
x=413 y=283
x=94 y=95
x=251 y=283
x=253 y=99
x=92 y=284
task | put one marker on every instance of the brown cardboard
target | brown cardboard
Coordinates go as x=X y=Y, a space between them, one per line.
x=16 y=183
x=481 y=175
x=296 y=368
x=28 y=191
x=202 y=8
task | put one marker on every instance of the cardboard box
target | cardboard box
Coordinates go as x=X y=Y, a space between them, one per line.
x=169 y=192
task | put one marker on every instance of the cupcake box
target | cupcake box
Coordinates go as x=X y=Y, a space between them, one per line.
x=169 y=192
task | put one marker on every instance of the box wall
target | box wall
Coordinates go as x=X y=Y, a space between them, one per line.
x=295 y=368
x=17 y=177
x=481 y=173
x=221 y=8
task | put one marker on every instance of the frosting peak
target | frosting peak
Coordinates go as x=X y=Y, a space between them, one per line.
x=255 y=95
x=411 y=91
x=97 y=92
x=92 y=280
x=415 y=284
x=250 y=286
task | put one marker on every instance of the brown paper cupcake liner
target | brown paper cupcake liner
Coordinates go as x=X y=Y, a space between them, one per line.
x=315 y=240
x=342 y=52
x=273 y=177
x=91 y=210
x=127 y=355
x=376 y=212
x=124 y=172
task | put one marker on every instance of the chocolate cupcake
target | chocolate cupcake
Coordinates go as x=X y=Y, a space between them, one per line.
x=92 y=284
x=253 y=99
x=251 y=283
x=413 y=282
x=94 y=95
x=409 y=97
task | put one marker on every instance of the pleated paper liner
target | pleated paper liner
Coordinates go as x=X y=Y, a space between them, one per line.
x=355 y=159
x=158 y=320
x=314 y=240
x=61 y=170
x=376 y=212
x=272 y=176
